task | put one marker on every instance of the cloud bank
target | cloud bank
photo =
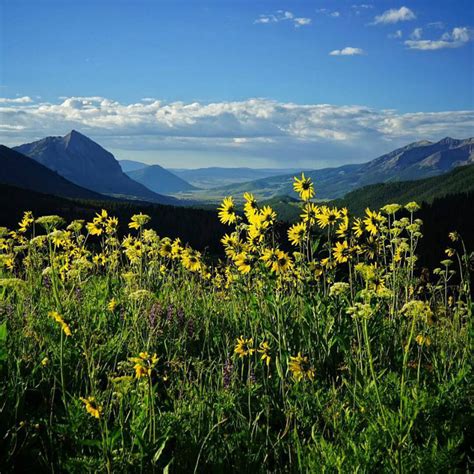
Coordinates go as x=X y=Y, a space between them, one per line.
x=458 y=37
x=282 y=133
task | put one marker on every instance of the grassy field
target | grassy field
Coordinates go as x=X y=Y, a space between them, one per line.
x=137 y=355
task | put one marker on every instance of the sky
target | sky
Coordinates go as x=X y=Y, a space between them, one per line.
x=270 y=83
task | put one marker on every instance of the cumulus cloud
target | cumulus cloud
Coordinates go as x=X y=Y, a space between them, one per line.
x=347 y=51
x=394 y=16
x=308 y=135
x=458 y=37
x=282 y=15
x=16 y=100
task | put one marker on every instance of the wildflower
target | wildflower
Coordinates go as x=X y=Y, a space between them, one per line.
x=111 y=225
x=344 y=225
x=300 y=368
x=250 y=206
x=412 y=206
x=304 y=187
x=166 y=247
x=450 y=252
x=58 y=318
x=423 y=340
x=138 y=221
x=50 y=222
x=44 y=361
x=227 y=213
x=327 y=216
x=268 y=216
x=453 y=236
x=243 y=261
x=341 y=252
x=94 y=228
x=191 y=260
x=357 y=227
x=391 y=209
x=310 y=213
x=264 y=349
x=91 y=406
x=112 y=304
x=144 y=364
x=76 y=225
x=283 y=262
x=360 y=311
x=417 y=309
x=297 y=233
x=372 y=221
x=244 y=347
x=338 y=288
x=26 y=221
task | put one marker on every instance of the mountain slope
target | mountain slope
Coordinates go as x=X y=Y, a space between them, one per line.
x=131 y=165
x=460 y=179
x=414 y=161
x=85 y=163
x=17 y=169
x=159 y=180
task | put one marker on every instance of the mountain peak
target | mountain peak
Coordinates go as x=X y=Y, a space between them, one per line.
x=74 y=135
x=448 y=141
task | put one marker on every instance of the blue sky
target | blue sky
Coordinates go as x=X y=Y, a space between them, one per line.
x=257 y=83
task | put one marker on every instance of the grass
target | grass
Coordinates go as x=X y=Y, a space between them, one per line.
x=138 y=356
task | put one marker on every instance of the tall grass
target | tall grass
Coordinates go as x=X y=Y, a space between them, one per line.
x=134 y=355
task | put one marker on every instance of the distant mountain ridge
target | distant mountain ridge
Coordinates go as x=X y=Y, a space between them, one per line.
x=460 y=179
x=414 y=161
x=85 y=163
x=160 y=180
x=19 y=170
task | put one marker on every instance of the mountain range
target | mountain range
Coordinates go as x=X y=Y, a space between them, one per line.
x=84 y=162
x=414 y=161
x=459 y=180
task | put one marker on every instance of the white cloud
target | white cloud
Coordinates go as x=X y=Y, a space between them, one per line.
x=363 y=6
x=17 y=100
x=302 y=22
x=398 y=34
x=416 y=33
x=458 y=37
x=347 y=51
x=394 y=16
x=318 y=134
x=335 y=14
x=283 y=15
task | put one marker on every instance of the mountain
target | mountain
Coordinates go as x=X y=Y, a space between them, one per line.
x=414 y=161
x=19 y=170
x=159 y=180
x=402 y=192
x=131 y=165
x=215 y=176
x=85 y=163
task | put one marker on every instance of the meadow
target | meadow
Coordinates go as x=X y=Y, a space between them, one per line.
x=139 y=354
